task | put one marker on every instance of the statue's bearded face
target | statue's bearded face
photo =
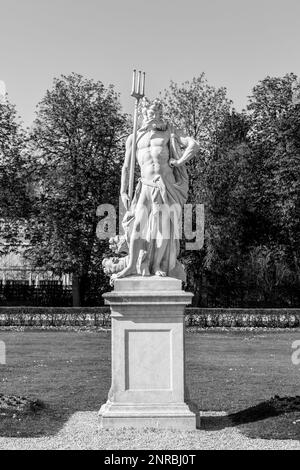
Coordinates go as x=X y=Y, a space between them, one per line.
x=154 y=113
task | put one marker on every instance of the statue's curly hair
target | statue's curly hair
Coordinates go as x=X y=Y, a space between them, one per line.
x=145 y=104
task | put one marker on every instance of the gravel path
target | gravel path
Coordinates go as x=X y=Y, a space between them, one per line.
x=82 y=432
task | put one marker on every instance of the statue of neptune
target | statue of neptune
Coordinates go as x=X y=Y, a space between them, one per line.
x=152 y=223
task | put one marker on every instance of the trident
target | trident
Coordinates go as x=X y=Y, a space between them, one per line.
x=138 y=92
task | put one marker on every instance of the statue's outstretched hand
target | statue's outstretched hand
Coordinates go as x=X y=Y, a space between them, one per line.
x=125 y=200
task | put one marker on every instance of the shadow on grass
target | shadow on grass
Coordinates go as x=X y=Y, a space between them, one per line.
x=48 y=419
x=68 y=371
x=273 y=408
x=44 y=421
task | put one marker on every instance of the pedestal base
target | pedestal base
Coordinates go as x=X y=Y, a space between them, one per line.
x=148 y=380
x=172 y=416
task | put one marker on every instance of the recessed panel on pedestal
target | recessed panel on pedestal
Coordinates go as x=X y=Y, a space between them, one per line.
x=148 y=360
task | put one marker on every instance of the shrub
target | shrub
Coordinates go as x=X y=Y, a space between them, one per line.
x=194 y=317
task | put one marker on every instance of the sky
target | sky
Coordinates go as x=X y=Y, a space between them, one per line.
x=235 y=42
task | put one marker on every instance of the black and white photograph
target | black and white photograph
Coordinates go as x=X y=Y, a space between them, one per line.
x=149 y=228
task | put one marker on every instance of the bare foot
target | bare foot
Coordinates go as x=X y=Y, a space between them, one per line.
x=128 y=271
x=158 y=272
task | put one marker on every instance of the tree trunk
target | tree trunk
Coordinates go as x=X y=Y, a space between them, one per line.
x=76 y=291
x=83 y=286
x=79 y=287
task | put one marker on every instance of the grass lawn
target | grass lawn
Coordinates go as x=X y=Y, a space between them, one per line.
x=233 y=371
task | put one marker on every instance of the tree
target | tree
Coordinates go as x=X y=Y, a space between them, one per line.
x=76 y=158
x=203 y=112
x=230 y=223
x=199 y=109
x=275 y=139
x=14 y=200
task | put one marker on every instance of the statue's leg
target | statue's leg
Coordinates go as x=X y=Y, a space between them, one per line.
x=162 y=240
x=137 y=238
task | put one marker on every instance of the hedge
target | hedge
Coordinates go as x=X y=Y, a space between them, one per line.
x=194 y=317
x=243 y=317
x=55 y=316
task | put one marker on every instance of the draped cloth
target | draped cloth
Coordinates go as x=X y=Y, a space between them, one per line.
x=167 y=198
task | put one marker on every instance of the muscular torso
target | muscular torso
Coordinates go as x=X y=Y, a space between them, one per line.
x=153 y=154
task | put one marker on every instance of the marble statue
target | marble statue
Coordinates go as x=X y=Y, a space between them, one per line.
x=147 y=302
x=152 y=223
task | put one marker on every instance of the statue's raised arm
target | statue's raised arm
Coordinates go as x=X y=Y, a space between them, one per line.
x=125 y=173
x=191 y=148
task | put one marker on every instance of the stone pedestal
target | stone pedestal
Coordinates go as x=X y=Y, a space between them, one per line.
x=148 y=383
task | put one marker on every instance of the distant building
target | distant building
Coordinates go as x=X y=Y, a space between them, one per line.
x=13 y=266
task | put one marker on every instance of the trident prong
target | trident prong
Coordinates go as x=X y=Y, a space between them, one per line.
x=138 y=85
x=137 y=92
